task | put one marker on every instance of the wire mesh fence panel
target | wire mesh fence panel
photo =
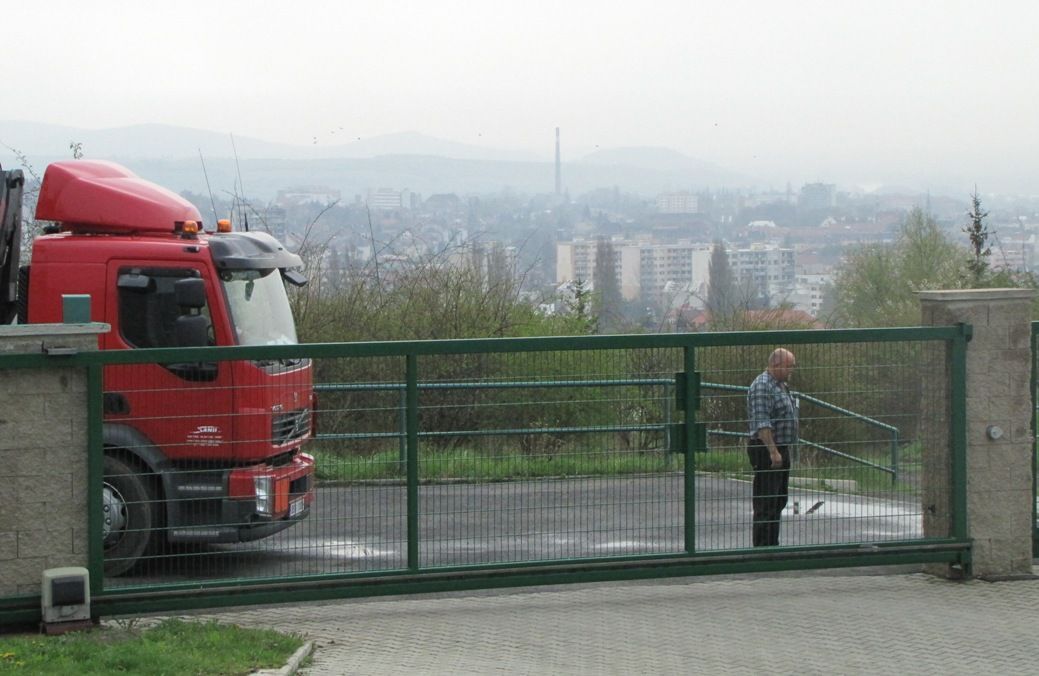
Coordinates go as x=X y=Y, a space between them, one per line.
x=1035 y=433
x=368 y=459
x=855 y=474
x=539 y=456
x=359 y=524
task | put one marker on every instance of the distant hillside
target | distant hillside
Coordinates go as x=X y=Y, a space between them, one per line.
x=426 y=175
x=665 y=161
x=645 y=157
x=170 y=156
x=167 y=142
x=414 y=143
x=157 y=141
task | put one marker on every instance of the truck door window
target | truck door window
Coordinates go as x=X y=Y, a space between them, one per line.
x=148 y=308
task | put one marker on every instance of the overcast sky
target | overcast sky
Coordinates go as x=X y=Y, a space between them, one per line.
x=786 y=90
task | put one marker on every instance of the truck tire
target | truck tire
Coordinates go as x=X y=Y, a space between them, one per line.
x=128 y=508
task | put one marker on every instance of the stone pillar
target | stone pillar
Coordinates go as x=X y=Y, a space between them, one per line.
x=999 y=435
x=43 y=455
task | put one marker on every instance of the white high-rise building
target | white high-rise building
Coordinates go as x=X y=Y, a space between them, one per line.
x=644 y=269
x=678 y=203
x=764 y=270
x=808 y=293
x=388 y=199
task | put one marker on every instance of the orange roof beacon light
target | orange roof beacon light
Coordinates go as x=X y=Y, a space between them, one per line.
x=223 y=225
x=188 y=230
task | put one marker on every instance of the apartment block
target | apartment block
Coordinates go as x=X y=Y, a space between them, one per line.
x=678 y=203
x=388 y=199
x=764 y=269
x=808 y=293
x=645 y=270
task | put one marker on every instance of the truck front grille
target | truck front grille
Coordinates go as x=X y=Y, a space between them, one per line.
x=286 y=427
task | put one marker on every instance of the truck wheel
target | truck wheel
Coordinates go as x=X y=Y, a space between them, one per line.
x=128 y=512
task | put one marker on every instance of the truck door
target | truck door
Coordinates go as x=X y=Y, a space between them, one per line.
x=184 y=408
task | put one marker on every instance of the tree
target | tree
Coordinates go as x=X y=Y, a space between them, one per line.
x=877 y=283
x=978 y=234
x=721 y=288
x=579 y=307
x=607 y=289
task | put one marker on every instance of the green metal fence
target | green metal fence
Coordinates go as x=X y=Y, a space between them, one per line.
x=1035 y=434
x=481 y=463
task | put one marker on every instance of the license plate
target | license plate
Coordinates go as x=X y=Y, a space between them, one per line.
x=296 y=506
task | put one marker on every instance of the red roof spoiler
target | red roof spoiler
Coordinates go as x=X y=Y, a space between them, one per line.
x=98 y=196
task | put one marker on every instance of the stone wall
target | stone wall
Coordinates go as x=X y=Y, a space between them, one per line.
x=43 y=456
x=999 y=461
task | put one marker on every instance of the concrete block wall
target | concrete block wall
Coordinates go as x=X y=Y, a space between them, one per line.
x=43 y=456
x=999 y=470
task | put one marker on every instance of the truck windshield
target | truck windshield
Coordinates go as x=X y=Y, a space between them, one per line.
x=260 y=309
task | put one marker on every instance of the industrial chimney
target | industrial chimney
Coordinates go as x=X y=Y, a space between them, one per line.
x=559 y=177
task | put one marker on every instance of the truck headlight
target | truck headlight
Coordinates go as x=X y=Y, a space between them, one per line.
x=264 y=495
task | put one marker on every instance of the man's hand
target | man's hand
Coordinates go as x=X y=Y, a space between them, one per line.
x=765 y=434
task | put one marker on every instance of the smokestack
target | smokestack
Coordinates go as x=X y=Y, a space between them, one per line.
x=559 y=177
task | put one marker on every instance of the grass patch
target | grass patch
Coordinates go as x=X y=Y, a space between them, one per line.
x=723 y=462
x=478 y=466
x=472 y=465
x=171 y=647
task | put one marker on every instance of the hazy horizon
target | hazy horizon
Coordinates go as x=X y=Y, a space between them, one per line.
x=886 y=93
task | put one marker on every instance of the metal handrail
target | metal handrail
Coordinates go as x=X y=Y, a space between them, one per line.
x=665 y=426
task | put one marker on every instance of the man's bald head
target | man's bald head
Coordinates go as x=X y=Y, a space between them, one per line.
x=781 y=364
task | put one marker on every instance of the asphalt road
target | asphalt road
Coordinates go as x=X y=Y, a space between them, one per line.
x=363 y=528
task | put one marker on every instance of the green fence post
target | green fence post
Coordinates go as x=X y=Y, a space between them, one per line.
x=958 y=431
x=690 y=401
x=894 y=458
x=402 y=441
x=669 y=444
x=75 y=308
x=1035 y=443
x=411 y=422
x=95 y=478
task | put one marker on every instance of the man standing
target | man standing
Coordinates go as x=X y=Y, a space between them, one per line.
x=772 y=416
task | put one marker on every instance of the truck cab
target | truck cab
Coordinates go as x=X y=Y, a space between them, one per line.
x=195 y=452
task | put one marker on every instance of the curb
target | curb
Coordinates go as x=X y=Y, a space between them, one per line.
x=292 y=666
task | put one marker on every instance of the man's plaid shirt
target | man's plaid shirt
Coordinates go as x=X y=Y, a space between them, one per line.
x=770 y=404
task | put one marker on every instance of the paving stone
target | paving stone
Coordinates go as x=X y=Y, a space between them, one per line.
x=804 y=624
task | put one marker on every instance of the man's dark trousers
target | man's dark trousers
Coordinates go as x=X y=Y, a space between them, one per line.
x=770 y=492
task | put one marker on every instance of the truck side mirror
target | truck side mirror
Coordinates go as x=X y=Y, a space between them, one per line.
x=192 y=330
x=294 y=277
x=190 y=293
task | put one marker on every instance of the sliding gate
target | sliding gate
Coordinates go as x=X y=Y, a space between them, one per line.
x=1035 y=433
x=480 y=463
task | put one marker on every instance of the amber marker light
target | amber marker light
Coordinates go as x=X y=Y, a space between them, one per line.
x=223 y=225
x=190 y=228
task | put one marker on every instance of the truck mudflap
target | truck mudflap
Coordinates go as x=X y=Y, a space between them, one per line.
x=260 y=500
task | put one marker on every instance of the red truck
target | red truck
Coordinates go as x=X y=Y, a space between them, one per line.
x=198 y=452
